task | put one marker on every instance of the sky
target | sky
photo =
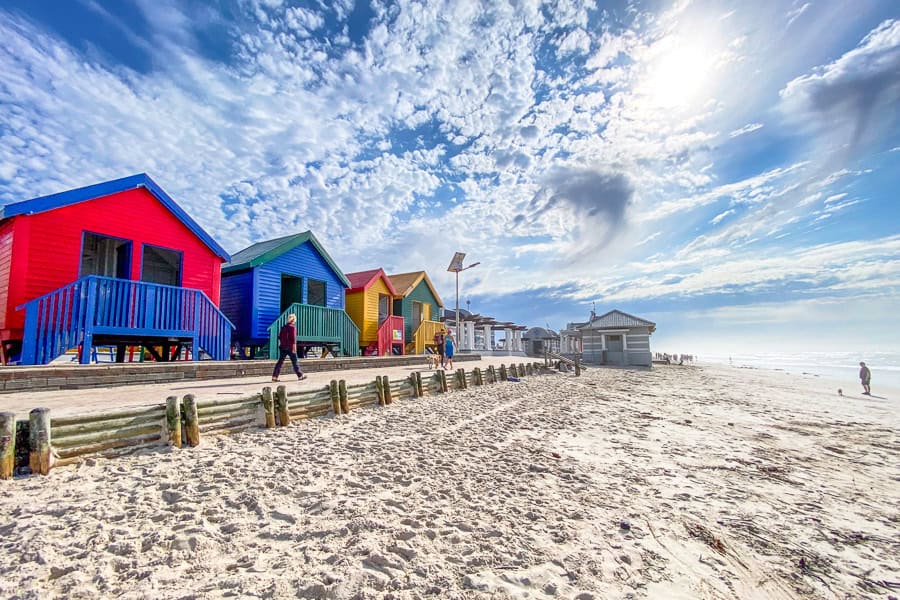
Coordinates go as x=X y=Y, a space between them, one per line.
x=728 y=170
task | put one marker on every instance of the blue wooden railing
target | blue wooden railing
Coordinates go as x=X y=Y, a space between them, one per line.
x=72 y=315
x=318 y=324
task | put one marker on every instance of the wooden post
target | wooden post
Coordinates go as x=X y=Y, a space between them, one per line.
x=7 y=444
x=39 y=441
x=529 y=369
x=462 y=379
x=503 y=375
x=412 y=383
x=268 y=403
x=281 y=406
x=513 y=372
x=379 y=389
x=173 y=421
x=419 y=387
x=577 y=366
x=191 y=420
x=335 y=396
x=492 y=374
x=342 y=393
x=386 y=382
x=476 y=376
x=546 y=358
x=522 y=372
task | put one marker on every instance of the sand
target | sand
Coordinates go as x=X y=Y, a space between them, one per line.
x=676 y=482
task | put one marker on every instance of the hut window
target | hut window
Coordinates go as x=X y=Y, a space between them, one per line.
x=315 y=293
x=162 y=266
x=106 y=256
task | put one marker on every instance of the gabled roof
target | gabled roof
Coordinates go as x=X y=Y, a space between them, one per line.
x=539 y=333
x=363 y=280
x=404 y=283
x=616 y=319
x=263 y=252
x=98 y=190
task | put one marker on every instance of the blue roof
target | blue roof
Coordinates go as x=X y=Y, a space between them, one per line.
x=53 y=201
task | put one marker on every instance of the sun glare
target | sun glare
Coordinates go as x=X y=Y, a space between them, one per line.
x=679 y=74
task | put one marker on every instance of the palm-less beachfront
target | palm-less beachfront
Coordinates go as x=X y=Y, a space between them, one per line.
x=675 y=482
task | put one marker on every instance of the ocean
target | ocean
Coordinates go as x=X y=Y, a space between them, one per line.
x=842 y=367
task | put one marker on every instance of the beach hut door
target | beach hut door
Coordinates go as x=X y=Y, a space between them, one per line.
x=384 y=308
x=417 y=315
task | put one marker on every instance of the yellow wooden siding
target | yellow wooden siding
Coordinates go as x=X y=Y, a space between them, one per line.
x=354 y=307
x=363 y=309
x=424 y=335
x=371 y=316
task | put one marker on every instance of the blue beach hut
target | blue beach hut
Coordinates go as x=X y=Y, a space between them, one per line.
x=270 y=280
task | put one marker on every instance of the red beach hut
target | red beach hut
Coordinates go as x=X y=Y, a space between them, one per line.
x=116 y=263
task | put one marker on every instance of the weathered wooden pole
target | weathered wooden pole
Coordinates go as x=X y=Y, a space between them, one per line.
x=7 y=444
x=173 y=421
x=522 y=372
x=492 y=374
x=546 y=358
x=476 y=376
x=191 y=420
x=268 y=403
x=379 y=389
x=577 y=366
x=529 y=369
x=39 y=440
x=386 y=382
x=513 y=370
x=342 y=393
x=411 y=380
x=420 y=388
x=503 y=375
x=281 y=406
x=335 y=396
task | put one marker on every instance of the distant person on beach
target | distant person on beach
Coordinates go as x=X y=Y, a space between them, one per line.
x=450 y=349
x=439 y=342
x=287 y=347
x=865 y=377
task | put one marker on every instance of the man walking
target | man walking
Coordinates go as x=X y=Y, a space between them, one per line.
x=865 y=377
x=287 y=347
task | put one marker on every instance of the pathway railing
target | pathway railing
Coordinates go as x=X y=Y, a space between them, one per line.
x=424 y=335
x=91 y=306
x=390 y=332
x=318 y=324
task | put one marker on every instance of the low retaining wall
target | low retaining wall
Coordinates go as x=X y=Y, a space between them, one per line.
x=54 y=442
x=72 y=377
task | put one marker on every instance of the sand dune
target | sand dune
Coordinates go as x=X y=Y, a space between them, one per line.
x=670 y=483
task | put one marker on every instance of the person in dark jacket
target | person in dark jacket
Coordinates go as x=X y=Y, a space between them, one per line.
x=439 y=343
x=287 y=347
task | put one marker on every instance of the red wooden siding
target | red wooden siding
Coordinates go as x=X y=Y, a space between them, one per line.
x=6 y=246
x=48 y=245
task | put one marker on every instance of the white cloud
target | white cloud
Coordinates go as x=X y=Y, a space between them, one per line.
x=745 y=129
x=719 y=217
x=795 y=14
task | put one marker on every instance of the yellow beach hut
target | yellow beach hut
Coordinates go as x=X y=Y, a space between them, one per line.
x=420 y=306
x=370 y=303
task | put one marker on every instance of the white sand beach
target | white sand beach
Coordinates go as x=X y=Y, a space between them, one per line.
x=675 y=482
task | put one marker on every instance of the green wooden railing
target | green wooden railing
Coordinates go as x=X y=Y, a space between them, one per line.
x=317 y=324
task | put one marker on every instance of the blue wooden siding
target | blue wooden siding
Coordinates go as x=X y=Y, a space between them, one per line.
x=237 y=303
x=303 y=261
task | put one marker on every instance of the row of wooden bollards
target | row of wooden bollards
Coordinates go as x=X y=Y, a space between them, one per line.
x=178 y=423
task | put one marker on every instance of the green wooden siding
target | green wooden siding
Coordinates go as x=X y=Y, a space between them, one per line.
x=421 y=293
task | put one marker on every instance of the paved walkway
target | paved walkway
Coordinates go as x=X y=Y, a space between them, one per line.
x=69 y=402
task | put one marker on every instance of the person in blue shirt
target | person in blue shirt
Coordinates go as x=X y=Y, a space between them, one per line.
x=449 y=349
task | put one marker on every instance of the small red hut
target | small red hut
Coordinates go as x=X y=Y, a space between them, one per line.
x=116 y=263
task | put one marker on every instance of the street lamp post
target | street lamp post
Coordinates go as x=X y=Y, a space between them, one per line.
x=456 y=267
